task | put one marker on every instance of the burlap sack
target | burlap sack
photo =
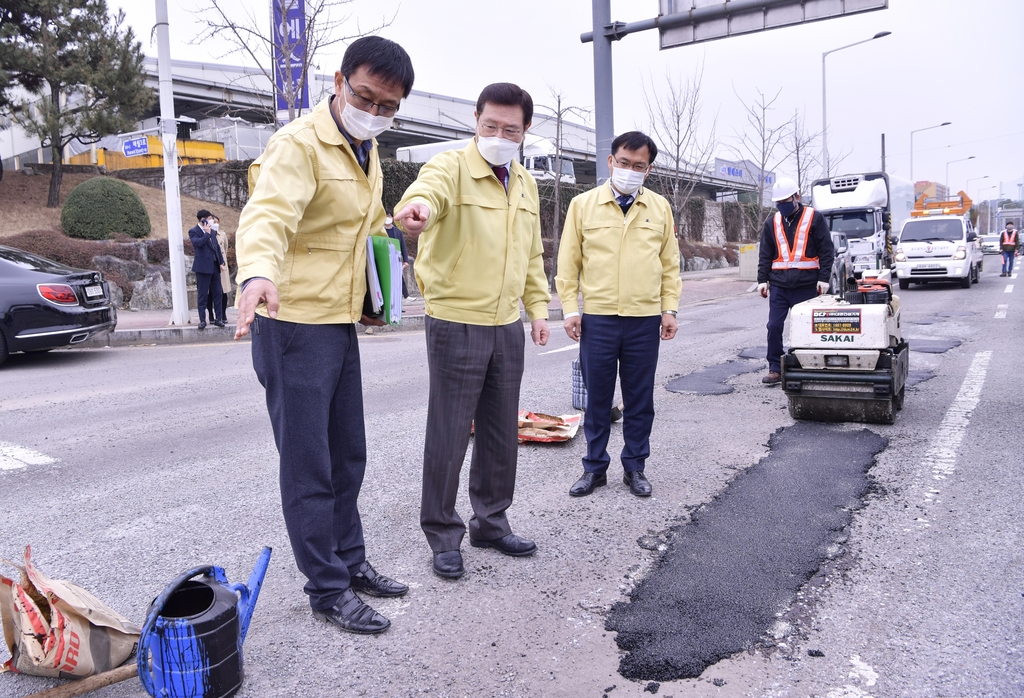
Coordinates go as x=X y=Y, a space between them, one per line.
x=58 y=629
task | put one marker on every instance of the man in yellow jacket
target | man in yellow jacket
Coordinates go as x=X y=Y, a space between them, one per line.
x=480 y=253
x=315 y=195
x=619 y=248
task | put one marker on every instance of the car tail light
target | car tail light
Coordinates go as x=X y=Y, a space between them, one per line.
x=61 y=294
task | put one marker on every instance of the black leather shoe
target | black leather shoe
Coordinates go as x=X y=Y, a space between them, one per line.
x=509 y=545
x=638 y=483
x=586 y=484
x=353 y=616
x=368 y=581
x=202 y=325
x=220 y=323
x=449 y=564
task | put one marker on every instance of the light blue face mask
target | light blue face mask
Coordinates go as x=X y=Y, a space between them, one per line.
x=786 y=208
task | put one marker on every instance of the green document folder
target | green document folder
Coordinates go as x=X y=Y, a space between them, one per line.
x=389 y=271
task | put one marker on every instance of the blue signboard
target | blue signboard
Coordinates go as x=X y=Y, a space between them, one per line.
x=135 y=146
x=290 y=53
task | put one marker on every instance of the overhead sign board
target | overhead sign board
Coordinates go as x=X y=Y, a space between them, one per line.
x=742 y=171
x=682 y=22
x=135 y=146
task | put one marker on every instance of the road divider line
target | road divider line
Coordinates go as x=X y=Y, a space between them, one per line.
x=1001 y=311
x=14 y=457
x=1009 y=288
x=941 y=455
x=555 y=351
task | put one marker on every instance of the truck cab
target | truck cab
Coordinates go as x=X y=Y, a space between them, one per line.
x=864 y=208
x=938 y=248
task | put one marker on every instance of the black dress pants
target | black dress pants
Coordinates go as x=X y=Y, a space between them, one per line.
x=314 y=391
x=207 y=286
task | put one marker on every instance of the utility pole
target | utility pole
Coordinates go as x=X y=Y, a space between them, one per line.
x=604 y=111
x=883 y=152
x=169 y=133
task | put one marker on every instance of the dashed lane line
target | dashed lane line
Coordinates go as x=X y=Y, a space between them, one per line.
x=1009 y=288
x=14 y=457
x=940 y=458
x=555 y=351
x=1001 y=311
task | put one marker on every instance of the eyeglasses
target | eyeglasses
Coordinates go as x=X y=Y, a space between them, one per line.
x=363 y=104
x=635 y=166
x=510 y=132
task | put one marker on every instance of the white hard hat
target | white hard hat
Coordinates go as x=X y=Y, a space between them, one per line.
x=784 y=188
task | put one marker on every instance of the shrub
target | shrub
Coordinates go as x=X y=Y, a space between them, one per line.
x=100 y=206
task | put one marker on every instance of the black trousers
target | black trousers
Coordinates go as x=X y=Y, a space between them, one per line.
x=475 y=375
x=207 y=286
x=627 y=346
x=315 y=398
x=780 y=302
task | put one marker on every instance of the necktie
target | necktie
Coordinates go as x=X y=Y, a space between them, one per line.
x=625 y=201
x=501 y=173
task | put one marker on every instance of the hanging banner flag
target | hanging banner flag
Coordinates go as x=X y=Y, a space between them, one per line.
x=289 y=27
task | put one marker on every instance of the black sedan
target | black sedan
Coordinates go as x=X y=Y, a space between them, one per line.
x=44 y=304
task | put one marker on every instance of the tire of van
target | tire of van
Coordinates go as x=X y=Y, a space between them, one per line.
x=966 y=281
x=904 y=284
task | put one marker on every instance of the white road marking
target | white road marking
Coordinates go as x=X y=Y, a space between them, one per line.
x=1001 y=311
x=941 y=455
x=15 y=457
x=862 y=673
x=1009 y=288
x=555 y=351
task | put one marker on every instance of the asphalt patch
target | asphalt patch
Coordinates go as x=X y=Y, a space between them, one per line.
x=919 y=375
x=754 y=353
x=933 y=346
x=712 y=380
x=742 y=557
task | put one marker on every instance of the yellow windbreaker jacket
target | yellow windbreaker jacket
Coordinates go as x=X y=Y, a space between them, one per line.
x=626 y=265
x=310 y=209
x=481 y=250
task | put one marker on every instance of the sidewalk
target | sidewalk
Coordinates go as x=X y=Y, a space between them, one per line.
x=146 y=327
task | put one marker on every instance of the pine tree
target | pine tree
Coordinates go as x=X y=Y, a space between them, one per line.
x=85 y=71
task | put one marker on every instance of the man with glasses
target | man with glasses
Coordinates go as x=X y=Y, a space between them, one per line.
x=619 y=249
x=315 y=194
x=480 y=253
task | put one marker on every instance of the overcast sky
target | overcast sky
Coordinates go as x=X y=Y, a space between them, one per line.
x=947 y=60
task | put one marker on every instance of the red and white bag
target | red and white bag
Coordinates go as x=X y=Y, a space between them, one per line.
x=58 y=629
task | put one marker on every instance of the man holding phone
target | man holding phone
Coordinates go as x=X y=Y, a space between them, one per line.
x=207 y=265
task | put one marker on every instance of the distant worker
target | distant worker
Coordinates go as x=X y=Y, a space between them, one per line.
x=1009 y=243
x=619 y=247
x=207 y=265
x=301 y=248
x=477 y=213
x=795 y=262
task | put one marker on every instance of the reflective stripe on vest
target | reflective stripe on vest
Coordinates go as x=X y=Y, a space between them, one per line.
x=1010 y=237
x=795 y=258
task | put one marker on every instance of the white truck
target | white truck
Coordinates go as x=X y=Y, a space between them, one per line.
x=538 y=156
x=866 y=208
x=939 y=243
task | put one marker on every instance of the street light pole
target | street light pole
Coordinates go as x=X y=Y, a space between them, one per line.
x=988 y=209
x=824 y=120
x=950 y=188
x=926 y=128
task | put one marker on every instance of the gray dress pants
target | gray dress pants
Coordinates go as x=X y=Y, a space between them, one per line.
x=475 y=375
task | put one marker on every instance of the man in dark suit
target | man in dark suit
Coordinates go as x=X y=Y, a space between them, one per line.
x=207 y=266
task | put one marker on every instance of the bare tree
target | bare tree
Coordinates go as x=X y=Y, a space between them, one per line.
x=674 y=113
x=800 y=144
x=243 y=34
x=558 y=113
x=759 y=143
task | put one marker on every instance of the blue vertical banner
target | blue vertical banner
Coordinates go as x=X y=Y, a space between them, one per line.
x=289 y=30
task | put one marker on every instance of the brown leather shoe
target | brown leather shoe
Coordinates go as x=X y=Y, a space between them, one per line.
x=773 y=378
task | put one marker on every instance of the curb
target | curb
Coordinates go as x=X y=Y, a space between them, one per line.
x=218 y=335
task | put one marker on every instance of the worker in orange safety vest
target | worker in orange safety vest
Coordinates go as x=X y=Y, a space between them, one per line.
x=795 y=261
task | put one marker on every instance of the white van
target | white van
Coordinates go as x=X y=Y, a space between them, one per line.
x=938 y=248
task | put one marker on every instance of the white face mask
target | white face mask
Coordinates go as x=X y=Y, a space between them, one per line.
x=215 y=227
x=627 y=181
x=388 y=221
x=363 y=125
x=497 y=151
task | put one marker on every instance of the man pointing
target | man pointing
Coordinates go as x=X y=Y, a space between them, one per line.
x=480 y=253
